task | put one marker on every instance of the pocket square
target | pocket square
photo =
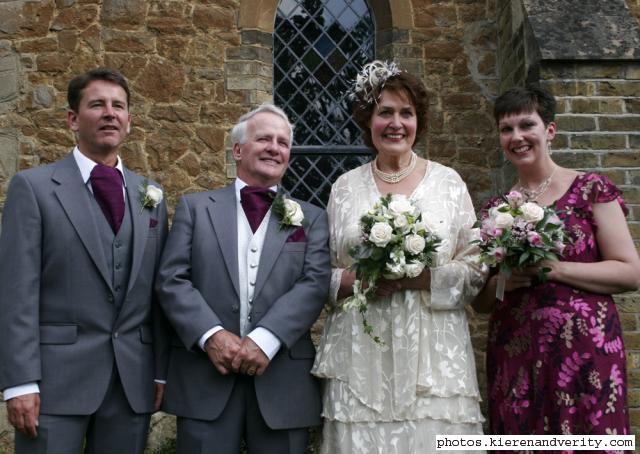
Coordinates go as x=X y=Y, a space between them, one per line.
x=297 y=236
x=152 y=222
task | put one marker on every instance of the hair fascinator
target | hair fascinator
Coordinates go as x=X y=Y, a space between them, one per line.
x=370 y=81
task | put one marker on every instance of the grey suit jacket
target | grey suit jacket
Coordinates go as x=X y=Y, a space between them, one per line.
x=58 y=323
x=198 y=289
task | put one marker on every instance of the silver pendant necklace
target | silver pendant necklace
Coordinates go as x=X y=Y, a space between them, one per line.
x=533 y=194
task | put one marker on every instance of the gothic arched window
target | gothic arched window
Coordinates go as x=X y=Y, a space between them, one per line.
x=319 y=47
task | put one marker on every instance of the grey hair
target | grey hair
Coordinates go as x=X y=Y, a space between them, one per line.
x=239 y=131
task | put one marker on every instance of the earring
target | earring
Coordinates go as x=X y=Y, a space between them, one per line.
x=549 y=150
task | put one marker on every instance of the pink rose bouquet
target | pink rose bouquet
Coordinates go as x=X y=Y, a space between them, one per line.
x=517 y=234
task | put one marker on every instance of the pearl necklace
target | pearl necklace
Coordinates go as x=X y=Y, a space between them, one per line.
x=533 y=194
x=395 y=177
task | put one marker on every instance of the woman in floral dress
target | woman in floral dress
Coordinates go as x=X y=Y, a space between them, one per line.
x=555 y=355
x=395 y=398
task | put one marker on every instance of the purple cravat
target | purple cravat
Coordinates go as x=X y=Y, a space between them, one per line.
x=255 y=202
x=106 y=183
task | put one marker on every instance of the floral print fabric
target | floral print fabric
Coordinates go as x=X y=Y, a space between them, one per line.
x=394 y=399
x=555 y=356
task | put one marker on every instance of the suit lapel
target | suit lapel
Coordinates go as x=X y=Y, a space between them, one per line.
x=139 y=222
x=223 y=213
x=76 y=202
x=273 y=244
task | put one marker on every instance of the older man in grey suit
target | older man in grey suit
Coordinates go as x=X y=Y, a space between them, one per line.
x=80 y=333
x=242 y=281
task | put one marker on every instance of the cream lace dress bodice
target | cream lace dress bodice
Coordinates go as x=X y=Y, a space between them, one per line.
x=395 y=398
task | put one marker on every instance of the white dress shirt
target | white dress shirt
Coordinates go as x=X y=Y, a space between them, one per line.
x=85 y=165
x=249 y=249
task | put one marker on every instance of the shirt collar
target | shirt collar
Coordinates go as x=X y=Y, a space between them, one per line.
x=86 y=165
x=239 y=184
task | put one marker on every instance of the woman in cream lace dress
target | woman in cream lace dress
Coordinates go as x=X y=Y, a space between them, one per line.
x=396 y=397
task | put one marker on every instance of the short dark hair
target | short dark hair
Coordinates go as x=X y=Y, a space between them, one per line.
x=400 y=83
x=79 y=83
x=531 y=98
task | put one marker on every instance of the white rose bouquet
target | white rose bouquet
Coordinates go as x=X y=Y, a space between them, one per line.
x=395 y=243
x=516 y=234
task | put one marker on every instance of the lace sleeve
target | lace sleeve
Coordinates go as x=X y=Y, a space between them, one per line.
x=456 y=283
x=336 y=271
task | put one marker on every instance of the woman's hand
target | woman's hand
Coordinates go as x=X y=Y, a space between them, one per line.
x=485 y=301
x=346 y=284
x=519 y=278
x=385 y=287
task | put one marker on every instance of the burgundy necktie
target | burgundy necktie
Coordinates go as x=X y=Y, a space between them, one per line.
x=106 y=183
x=255 y=202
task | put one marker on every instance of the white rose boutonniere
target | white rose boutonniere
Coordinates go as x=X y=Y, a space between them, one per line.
x=288 y=211
x=150 y=195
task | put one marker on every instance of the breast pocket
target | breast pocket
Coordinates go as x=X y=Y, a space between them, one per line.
x=294 y=247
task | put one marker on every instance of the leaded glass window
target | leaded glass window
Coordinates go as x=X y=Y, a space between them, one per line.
x=319 y=46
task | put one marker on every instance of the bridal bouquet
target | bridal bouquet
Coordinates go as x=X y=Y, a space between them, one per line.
x=517 y=234
x=395 y=243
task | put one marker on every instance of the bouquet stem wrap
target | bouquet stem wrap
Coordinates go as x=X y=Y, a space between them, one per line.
x=502 y=282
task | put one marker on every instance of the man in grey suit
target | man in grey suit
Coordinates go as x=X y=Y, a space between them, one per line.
x=80 y=331
x=242 y=281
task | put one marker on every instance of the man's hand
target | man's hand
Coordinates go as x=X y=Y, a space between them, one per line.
x=250 y=360
x=222 y=348
x=23 y=412
x=158 y=395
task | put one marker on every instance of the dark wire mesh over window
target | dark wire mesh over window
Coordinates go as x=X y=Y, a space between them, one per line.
x=319 y=47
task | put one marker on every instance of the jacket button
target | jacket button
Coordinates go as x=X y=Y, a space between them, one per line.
x=235 y=308
x=110 y=298
x=115 y=335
